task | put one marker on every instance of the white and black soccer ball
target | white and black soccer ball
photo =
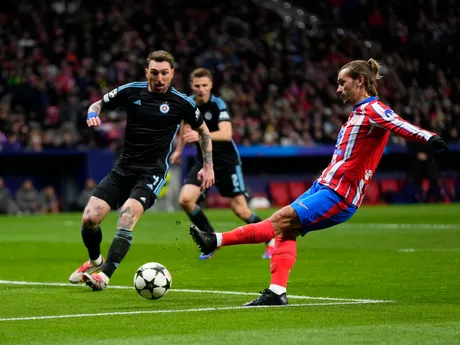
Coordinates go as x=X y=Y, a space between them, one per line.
x=152 y=280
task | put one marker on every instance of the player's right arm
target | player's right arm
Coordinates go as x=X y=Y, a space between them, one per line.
x=176 y=155
x=111 y=100
x=92 y=119
x=225 y=131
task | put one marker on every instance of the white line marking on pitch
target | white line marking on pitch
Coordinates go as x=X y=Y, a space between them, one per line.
x=14 y=282
x=167 y=311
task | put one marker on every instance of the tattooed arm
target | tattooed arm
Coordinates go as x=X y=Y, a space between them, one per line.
x=206 y=175
x=205 y=144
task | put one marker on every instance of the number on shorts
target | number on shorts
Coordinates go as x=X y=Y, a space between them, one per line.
x=236 y=183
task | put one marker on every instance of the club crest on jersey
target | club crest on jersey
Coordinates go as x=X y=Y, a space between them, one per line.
x=113 y=93
x=164 y=108
x=208 y=115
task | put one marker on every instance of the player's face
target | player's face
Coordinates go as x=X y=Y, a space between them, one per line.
x=347 y=88
x=201 y=88
x=159 y=76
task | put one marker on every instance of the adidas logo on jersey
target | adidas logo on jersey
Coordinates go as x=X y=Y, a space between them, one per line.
x=138 y=102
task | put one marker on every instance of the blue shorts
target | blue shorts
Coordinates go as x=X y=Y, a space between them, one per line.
x=320 y=208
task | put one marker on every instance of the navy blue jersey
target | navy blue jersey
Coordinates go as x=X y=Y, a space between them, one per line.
x=224 y=153
x=153 y=120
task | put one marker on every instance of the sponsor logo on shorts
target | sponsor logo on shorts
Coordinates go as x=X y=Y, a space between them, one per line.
x=301 y=204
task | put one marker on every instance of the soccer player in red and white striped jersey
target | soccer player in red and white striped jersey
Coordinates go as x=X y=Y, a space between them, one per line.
x=338 y=193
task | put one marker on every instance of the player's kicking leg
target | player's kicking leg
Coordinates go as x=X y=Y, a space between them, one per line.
x=285 y=224
x=318 y=208
x=130 y=213
x=240 y=207
x=94 y=213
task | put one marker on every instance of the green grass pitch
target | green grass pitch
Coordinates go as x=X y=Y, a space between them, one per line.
x=391 y=275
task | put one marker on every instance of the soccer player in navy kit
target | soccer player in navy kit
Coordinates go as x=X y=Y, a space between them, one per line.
x=227 y=162
x=155 y=111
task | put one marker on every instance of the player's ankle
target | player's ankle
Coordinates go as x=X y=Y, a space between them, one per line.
x=219 y=239
x=277 y=289
x=96 y=262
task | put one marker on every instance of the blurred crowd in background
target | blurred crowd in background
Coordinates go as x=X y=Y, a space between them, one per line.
x=279 y=80
x=28 y=200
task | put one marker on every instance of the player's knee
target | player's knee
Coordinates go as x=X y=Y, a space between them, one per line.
x=186 y=201
x=284 y=220
x=90 y=220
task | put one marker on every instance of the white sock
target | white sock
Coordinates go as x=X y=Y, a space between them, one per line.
x=278 y=289
x=219 y=239
x=96 y=262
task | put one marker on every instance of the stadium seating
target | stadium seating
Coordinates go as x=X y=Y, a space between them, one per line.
x=279 y=193
x=296 y=189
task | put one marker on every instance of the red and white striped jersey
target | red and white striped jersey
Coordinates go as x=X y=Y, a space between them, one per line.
x=360 y=146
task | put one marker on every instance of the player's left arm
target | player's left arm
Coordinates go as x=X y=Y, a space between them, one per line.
x=205 y=144
x=388 y=119
x=194 y=118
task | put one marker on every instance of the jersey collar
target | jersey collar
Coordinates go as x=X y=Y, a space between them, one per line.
x=369 y=99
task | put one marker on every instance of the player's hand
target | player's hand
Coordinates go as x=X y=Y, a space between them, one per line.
x=191 y=136
x=206 y=176
x=175 y=157
x=438 y=143
x=93 y=120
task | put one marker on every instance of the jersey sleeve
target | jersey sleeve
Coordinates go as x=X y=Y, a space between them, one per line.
x=386 y=118
x=224 y=113
x=116 y=98
x=192 y=115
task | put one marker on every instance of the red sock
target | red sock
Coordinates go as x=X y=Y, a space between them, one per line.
x=283 y=259
x=251 y=233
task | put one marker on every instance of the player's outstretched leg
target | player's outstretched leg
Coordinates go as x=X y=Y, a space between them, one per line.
x=252 y=233
x=284 y=223
x=130 y=213
x=240 y=207
x=95 y=211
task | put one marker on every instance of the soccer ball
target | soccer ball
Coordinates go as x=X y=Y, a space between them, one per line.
x=152 y=280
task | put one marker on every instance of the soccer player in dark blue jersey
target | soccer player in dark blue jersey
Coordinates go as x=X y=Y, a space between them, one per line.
x=155 y=111
x=227 y=162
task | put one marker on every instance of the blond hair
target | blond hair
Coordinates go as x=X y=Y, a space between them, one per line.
x=368 y=69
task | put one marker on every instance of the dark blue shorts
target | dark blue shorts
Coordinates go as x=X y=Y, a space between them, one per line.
x=320 y=208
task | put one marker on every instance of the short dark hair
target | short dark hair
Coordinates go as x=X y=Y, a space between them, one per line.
x=160 y=56
x=201 y=73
